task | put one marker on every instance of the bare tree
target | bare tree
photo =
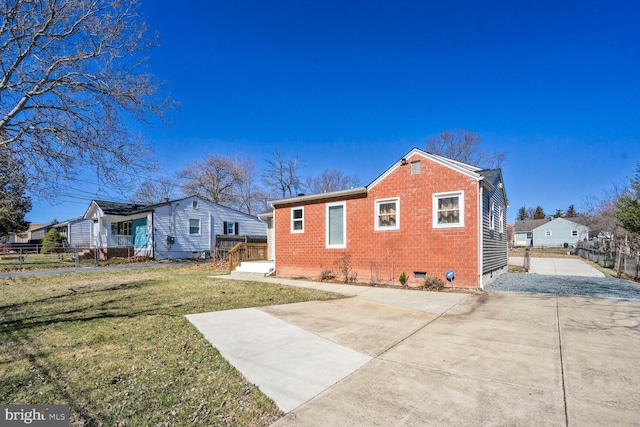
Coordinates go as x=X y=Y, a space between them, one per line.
x=72 y=84
x=331 y=180
x=250 y=197
x=601 y=212
x=153 y=191
x=281 y=176
x=216 y=178
x=464 y=146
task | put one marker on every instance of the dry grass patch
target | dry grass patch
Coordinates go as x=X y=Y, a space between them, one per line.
x=116 y=347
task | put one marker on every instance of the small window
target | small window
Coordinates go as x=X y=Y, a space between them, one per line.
x=387 y=214
x=297 y=220
x=547 y=233
x=336 y=225
x=194 y=226
x=419 y=274
x=530 y=235
x=415 y=167
x=574 y=233
x=448 y=210
x=194 y=205
x=231 y=228
x=500 y=219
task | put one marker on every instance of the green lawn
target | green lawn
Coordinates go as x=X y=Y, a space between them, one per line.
x=116 y=347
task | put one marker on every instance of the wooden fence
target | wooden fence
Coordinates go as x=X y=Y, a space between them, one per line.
x=610 y=254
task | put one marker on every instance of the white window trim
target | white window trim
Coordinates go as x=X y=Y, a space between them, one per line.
x=492 y=216
x=548 y=233
x=501 y=219
x=575 y=233
x=437 y=196
x=297 y=219
x=376 y=214
x=344 y=224
x=199 y=227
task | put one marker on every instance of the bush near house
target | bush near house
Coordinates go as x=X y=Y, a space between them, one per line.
x=51 y=241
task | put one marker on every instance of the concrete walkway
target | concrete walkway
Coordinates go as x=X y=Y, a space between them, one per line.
x=394 y=357
x=559 y=266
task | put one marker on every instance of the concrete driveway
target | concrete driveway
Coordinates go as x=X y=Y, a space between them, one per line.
x=394 y=357
x=558 y=266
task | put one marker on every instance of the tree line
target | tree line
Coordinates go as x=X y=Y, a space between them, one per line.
x=525 y=213
x=238 y=182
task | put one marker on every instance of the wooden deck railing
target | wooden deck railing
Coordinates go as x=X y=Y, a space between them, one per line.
x=247 y=252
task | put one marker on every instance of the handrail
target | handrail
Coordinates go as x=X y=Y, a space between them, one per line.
x=247 y=252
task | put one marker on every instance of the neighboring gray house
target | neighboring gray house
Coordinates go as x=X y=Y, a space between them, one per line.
x=550 y=232
x=76 y=230
x=181 y=228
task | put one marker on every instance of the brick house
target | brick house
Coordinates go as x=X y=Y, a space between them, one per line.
x=424 y=215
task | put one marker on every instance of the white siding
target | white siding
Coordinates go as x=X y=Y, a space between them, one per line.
x=79 y=233
x=173 y=221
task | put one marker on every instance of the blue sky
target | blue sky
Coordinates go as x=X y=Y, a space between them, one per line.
x=355 y=85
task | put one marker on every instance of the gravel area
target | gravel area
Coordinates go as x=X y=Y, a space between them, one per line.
x=602 y=287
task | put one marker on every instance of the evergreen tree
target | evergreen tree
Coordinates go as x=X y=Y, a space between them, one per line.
x=539 y=213
x=51 y=240
x=571 y=212
x=628 y=206
x=558 y=214
x=522 y=214
x=14 y=204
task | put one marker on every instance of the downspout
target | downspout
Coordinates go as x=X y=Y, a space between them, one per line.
x=480 y=234
x=275 y=258
x=153 y=234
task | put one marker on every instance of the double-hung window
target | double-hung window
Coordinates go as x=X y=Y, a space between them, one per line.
x=448 y=210
x=387 y=214
x=297 y=220
x=574 y=233
x=501 y=219
x=336 y=225
x=492 y=216
x=194 y=226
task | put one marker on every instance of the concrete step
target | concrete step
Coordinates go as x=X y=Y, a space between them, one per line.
x=262 y=267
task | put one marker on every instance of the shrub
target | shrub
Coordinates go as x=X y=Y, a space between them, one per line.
x=51 y=241
x=327 y=275
x=433 y=283
x=343 y=264
x=403 y=279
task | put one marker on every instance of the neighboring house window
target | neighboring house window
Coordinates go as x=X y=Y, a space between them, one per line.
x=297 y=220
x=194 y=205
x=574 y=233
x=547 y=233
x=387 y=214
x=492 y=216
x=194 y=226
x=501 y=219
x=448 y=210
x=415 y=168
x=231 y=228
x=336 y=225
x=530 y=235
